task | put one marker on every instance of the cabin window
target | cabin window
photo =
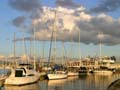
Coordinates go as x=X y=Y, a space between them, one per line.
x=18 y=73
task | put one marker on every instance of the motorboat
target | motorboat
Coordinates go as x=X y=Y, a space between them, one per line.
x=102 y=72
x=22 y=75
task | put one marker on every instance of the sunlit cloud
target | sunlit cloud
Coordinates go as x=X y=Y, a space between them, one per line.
x=68 y=23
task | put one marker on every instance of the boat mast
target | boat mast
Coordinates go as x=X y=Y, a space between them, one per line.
x=50 y=49
x=14 y=49
x=79 y=45
x=55 y=38
x=34 y=49
x=100 y=47
x=62 y=52
x=25 y=50
x=72 y=44
x=100 y=37
x=30 y=47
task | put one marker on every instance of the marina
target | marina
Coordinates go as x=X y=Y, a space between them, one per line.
x=85 y=75
x=59 y=45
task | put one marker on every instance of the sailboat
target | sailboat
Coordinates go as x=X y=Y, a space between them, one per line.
x=102 y=71
x=73 y=70
x=73 y=73
x=21 y=74
x=55 y=74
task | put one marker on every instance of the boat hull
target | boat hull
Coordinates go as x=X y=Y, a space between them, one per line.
x=17 y=81
x=102 y=72
x=73 y=73
x=22 y=76
x=56 y=76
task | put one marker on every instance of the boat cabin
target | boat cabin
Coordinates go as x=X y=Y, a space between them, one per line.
x=20 y=72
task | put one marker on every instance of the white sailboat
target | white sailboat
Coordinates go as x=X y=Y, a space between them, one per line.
x=102 y=71
x=56 y=74
x=72 y=73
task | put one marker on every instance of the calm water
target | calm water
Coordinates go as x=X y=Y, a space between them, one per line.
x=90 y=82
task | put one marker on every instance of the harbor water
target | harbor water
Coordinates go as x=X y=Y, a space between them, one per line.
x=89 y=82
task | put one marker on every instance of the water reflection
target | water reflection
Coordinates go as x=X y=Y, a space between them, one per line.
x=34 y=86
x=89 y=82
x=56 y=84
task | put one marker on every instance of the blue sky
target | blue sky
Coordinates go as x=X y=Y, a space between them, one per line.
x=91 y=17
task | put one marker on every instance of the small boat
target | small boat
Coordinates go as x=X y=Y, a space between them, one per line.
x=84 y=71
x=72 y=73
x=102 y=72
x=22 y=76
x=54 y=75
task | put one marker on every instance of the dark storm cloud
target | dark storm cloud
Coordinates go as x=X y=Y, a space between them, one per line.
x=67 y=3
x=107 y=6
x=24 y=5
x=19 y=21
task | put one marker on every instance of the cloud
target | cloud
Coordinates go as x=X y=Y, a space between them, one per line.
x=19 y=21
x=107 y=6
x=69 y=21
x=101 y=24
x=67 y=3
x=24 y=5
x=68 y=24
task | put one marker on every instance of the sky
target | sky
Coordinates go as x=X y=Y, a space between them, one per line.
x=80 y=24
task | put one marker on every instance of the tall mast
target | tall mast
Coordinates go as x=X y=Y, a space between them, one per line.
x=79 y=45
x=14 y=49
x=30 y=47
x=100 y=47
x=43 y=49
x=34 y=49
x=71 y=50
x=55 y=28
x=53 y=36
x=25 y=49
x=63 y=55
x=50 y=49
x=100 y=37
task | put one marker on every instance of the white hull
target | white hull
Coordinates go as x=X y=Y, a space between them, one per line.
x=28 y=78
x=34 y=86
x=56 y=76
x=102 y=72
x=73 y=73
x=21 y=80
